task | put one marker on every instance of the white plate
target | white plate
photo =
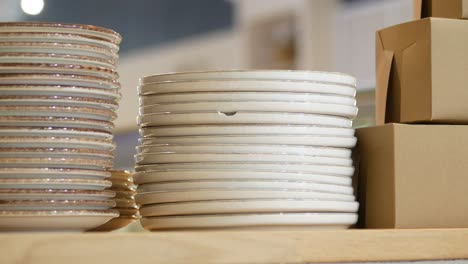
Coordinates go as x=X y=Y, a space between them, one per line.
x=66 y=163
x=54 y=194
x=333 y=77
x=65 y=153
x=58 y=48
x=65 y=28
x=157 y=158
x=246 y=86
x=241 y=117
x=58 y=68
x=266 y=167
x=210 y=195
x=39 y=205
x=202 y=130
x=246 y=96
x=55 y=122
x=50 y=90
x=40 y=102
x=246 y=149
x=53 y=132
x=253 y=106
x=56 y=142
x=59 y=79
x=248 y=206
x=58 y=111
x=73 y=184
x=301 y=140
x=300 y=221
x=187 y=175
x=53 y=58
x=79 y=39
x=78 y=221
x=53 y=173
x=246 y=185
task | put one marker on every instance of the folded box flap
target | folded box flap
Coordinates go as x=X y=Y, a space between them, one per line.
x=417 y=9
x=465 y=9
x=384 y=61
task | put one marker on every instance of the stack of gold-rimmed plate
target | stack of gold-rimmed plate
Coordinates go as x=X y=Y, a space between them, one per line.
x=59 y=93
x=125 y=190
x=246 y=149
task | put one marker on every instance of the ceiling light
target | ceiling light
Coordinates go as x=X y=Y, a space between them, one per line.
x=32 y=7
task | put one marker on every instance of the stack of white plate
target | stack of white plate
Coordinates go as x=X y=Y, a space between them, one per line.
x=246 y=149
x=58 y=97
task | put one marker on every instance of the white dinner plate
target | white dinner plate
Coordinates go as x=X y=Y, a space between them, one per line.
x=56 y=142
x=146 y=100
x=248 y=206
x=39 y=205
x=53 y=132
x=53 y=58
x=58 y=79
x=59 y=90
x=52 y=173
x=54 y=194
x=288 y=75
x=12 y=68
x=266 y=167
x=190 y=86
x=188 y=175
x=276 y=221
x=241 y=117
x=246 y=149
x=58 y=221
x=55 y=122
x=244 y=184
x=40 y=102
x=302 y=140
x=253 y=106
x=65 y=153
x=203 y=130
x=223 y=194
x=67 y=163
x=158 y=158
x=73 y=184
x=58 y=111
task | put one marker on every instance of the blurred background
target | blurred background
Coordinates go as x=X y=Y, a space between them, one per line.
x=162 y=36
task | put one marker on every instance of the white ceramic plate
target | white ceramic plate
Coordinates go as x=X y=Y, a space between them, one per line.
x=157 y=158
x=58 y=68
x=65 y=153
x=248 y=206
x=60 y=90
x=116 y=223
x=188 y=175
x=146 y=100
x=53 y=173
x=58 y=48
x=210 y=195
x=253 y=106
x=39 y=205
x=54 y=132
x=58 y=111
x=65 y=28
x=54 y=194
x=59 y=79
x=79 y=39
x=333 y=77
x=203 y=130
x=78 y=221
x=73 y=184
x=246 y=86
x=240 y=117
x=53 y=58
x=266 y=167
x=55 y=122
x=245 y=184
x=66 y=163
x=300 y=221
x=301 y=140
x=56 y=142
x=246 y=149
x=40 y=102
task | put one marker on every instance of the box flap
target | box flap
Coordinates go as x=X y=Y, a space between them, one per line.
x=384 y=61
x=440 y=8
x=417 y=9
x=464 y=8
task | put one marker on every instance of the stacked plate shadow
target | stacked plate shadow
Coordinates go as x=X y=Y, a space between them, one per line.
x=246 y=149
x=58 y=98
x=125 y=190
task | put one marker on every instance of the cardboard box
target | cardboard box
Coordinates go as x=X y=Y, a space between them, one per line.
x=422 y=72
x=457 y=9
x=413 y=176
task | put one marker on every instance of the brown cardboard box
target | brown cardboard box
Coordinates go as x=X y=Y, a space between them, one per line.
x=413 y=176
x=422 y=72
x=440 y=8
